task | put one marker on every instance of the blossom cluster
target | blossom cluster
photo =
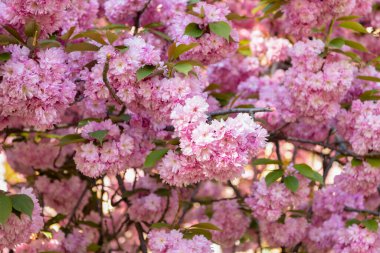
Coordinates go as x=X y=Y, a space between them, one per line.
x=35 y=92
x=218 y=149
x=173 y=241
x=95 y=159
x=17 y=230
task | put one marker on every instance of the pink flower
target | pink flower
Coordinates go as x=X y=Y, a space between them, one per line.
x=18 y=230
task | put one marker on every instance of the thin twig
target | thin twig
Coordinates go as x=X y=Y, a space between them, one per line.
x=239 y=110
x=141 y=237
x=107 y=83
x=138 y=16
x=355 y=210
x=77 y=205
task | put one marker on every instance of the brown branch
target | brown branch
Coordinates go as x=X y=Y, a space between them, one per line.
x=140 y=232
x=238 y=110
x=138 y=16
x=107 y=83
x=355 y=210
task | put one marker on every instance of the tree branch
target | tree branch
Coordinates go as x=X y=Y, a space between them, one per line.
x=107 y=83
x=355 y=210
x=141 y=237
x=238 y=110
x=138 y=16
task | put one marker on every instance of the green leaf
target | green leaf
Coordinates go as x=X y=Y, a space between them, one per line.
x=23 y=203
x=93 y=247
x=71 y=138
x=144 y=72
x=14 y=33
x=371 y=225
x=175 y=51
x=369 y=95
x=374 y=161
x=81 y=47
x=111 y=37
x=92 y=34
x=48 y=43
x=273 y=176
x=84 y=122
x=160 y=225
x=346 y=18
x=99 y=135
x=308 y=172
x=47 y=234
x=355 y=45
x=350 y=54
x=212 y=86
x=351 y=222
x=291 y=183
x=183 y=67
x=68 y=34
x=163 y=192
x=56 y=219
x=337 y=42
x=160 y=34
x=6 y=40
x=189 y=234
x=355 y=162
x=221 y=28
x=265 y=161
x=5 y=56
x=223 y=97
x=154 y=156
x=369 y=78
x=355 y=26
x=235 y=16
x=205 y=225
x=32 y=29
x=193 y=30
x=5 y=208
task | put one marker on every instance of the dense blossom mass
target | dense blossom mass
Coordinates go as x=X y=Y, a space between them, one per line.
x=195 y=126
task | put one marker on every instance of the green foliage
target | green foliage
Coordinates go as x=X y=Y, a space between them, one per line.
x=370 y=95
x=308 y=172
x=93 y=247
x=291 y=183
x=111 y=37
x=175 y=51
x=193 y=30
x=374 y=161
x=185 y=67
x=371 y=225
x=273 y=176
x=204 y=225
x=5 y=207
x=32 y=29
x=155 y=156
x=56 y=219
x=354 y=26
x=5 y=56
x=163 y=192
x=221 y=28
x=355 y=45
x=81 y=47
x=70 y=139
x=99 y=135
x=22 y=203
x=337 y=42
x=369 y=78
x=160 y=225
x=91 y=34
x=144 y=72
x=265 y=161
x=355 y=162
